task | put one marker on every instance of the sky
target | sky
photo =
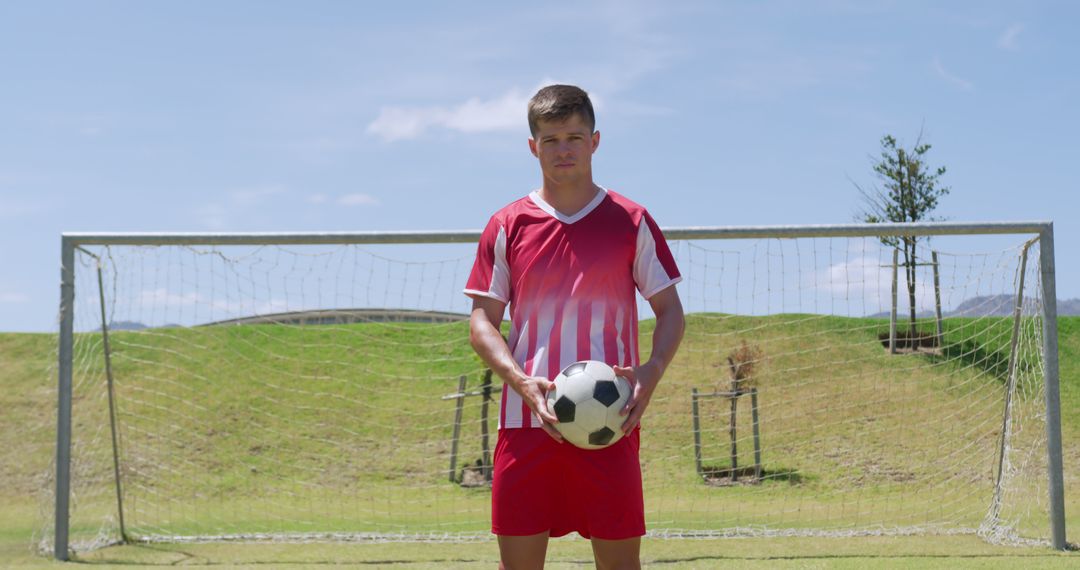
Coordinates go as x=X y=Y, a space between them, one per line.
x=359 y=116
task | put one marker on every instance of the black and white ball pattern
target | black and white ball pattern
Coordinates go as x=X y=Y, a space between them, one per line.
x=587 y=399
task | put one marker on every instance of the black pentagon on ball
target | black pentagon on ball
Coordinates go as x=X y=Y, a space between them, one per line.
x=564 y=409
x=606 y=392
x=575 y=368
x=601 y=436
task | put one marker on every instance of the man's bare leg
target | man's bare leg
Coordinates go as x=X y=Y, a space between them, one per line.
x=617 y=554
x=523 y=552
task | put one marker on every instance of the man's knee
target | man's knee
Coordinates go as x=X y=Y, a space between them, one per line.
x=617 y=554
x=522 y=552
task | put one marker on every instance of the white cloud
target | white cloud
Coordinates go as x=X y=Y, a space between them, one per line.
x=770 y=76
x=8 y=297
x=255 y=195
x=641 y=109
x=20 y=206
x=255 y=206
x=274 y=306
x=357 y=200
x=177 y=305
x=633 y=45
x=949 y=77
x=239 y=203
x=398 y=123
x=1007 y=39
x=627 y=48
x=869 y=281
x=162 y=297
x=503 y=113
x=213 y=216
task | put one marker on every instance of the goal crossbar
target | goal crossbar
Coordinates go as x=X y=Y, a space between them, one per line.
x=467 y=236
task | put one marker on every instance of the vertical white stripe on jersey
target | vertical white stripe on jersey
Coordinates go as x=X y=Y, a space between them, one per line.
x=619 y=335
x=596 y=332
x=515 y=334
x=519 y=344
x=545 y=321
x=539 y=362
x=500 y=272
x=513 y=399
x=568 y=347
x=538 y=368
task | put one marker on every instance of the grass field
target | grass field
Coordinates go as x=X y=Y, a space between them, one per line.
x=26 y=442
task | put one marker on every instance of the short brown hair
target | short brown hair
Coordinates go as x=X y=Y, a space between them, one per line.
x=559 y=103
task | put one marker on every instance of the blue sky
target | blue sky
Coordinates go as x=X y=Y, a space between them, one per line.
x=277 y=116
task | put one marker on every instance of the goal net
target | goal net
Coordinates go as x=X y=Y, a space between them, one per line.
x=315 y=388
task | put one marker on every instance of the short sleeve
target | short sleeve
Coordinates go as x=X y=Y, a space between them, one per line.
x=490 y=276
x=654 y=266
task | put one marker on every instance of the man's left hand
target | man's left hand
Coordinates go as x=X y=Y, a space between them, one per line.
x=643 y=380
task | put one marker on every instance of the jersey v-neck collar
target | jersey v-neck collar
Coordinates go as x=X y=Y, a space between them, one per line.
x=551 y=211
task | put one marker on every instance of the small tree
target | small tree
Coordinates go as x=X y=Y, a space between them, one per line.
x=742 y=362
x=909 y=193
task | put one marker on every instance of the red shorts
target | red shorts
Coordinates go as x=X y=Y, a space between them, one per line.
x=541 y=485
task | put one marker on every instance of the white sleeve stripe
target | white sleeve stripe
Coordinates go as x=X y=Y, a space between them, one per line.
x=478 y=293
x=500 y=272
x=661 y=287
x=649 y=272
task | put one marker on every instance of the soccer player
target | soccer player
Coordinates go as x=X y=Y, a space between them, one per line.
x=568 y=259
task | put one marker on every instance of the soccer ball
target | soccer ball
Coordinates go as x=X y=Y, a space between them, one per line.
x=587 y=399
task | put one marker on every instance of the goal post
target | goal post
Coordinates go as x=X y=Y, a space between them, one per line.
x=1053 y=387
x=274 y=276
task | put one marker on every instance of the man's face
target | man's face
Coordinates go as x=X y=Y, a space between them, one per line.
x=565 y=149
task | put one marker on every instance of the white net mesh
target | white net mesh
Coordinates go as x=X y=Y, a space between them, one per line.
x=308 y=393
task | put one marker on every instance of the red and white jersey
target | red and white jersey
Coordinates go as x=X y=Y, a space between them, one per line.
x=570 y=282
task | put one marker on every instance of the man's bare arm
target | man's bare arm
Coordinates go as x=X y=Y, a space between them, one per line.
x=488 y=342
x=670 y=325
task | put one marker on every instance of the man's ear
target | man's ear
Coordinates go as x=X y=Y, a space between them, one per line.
x=595 y=140
x=532 y=147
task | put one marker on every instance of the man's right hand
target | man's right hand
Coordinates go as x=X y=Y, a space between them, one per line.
x=534 y=390
x=484 y=335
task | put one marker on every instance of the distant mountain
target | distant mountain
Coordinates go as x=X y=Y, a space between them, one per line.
x=989 y=305
x=1069 y=307
x=126 y=326
x=1002 y=305
x=902 y=313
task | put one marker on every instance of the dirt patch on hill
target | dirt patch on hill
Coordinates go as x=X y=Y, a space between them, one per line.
x=922 y=341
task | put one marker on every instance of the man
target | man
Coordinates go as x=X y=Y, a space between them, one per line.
x=568 y=259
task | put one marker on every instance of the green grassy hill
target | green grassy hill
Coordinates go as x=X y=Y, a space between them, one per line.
x=227 y=424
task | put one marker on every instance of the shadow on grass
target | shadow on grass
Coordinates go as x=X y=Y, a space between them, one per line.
x=162 y=555
x=992 y=361
x=912 y=558
x=721 y=476
x=1015 y=558
x=970 y=352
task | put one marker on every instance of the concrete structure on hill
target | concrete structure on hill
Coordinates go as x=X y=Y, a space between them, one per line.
x=346 y=316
